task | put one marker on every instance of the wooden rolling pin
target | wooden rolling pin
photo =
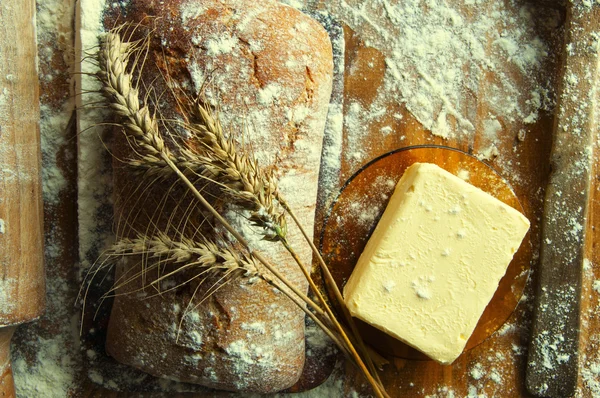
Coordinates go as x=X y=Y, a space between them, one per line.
x=553 y=362
x=22 y=282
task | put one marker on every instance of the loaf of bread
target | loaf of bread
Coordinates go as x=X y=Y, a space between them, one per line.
x=268 y=68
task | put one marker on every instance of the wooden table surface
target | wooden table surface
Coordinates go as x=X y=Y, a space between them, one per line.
x=502 y=357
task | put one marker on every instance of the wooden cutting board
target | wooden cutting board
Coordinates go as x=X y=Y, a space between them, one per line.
x=409 y=378
x=497 y=366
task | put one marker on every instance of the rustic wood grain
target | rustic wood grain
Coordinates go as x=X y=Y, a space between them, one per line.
x=557 y=307
x=588 y=383
x=21 y=245
x=7 y=388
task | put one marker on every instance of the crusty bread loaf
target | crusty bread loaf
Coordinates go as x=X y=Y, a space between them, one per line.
x=268 y=67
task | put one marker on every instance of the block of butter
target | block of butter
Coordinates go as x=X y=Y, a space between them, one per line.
x=434 y=261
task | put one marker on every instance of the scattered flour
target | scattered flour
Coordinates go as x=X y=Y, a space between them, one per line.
x=49 y=366
x=437 y=54
x=50 y=375
x=552 y=344
x=506 y=329
x=95 y=377
x=269 y=94
x=596 y=286
x=488 y=153
x=53 y=124
x=463 y=174
x=495 y=376
x=45 y=353
x=491 y=128
x=587 y=264
x=472 y=392
x=477 y=371
x=421 y=286
x=220 y=45
x=590 y=373
x=94 y=180
x=7 y=287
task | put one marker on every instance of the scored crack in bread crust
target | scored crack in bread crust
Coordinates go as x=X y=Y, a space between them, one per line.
x=269 y=69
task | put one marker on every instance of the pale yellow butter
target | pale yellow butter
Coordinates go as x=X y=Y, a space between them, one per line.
x=434 y=261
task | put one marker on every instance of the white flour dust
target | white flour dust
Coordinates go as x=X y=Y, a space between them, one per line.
x=6 y=292
x=439 y=52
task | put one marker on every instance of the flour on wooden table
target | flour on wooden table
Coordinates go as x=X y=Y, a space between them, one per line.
x=48 y=366
x=7 y=287
x=590 y=373
x=454 y=66
x=53 y=124
x=438 y=53
x=94 y=177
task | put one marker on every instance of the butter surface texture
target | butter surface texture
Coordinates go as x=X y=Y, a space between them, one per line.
x=434 y=261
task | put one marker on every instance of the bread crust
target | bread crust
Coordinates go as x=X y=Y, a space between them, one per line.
x=270 y=69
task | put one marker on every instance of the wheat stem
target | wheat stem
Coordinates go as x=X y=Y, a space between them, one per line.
x=117 y=85
x=224 y=151
x=376 y=386
x=317 y=321
x=336 y=290
x=235 y=233
x=333 y=318
x=205 y=253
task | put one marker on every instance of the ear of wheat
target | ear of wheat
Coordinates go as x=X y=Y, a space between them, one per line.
x=218 y=159
x=203 y=254
x=246 y=181
x=184 y=258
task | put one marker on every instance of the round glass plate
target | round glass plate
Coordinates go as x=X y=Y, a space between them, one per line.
x=354 y=214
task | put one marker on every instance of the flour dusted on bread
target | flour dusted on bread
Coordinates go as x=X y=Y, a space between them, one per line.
x=268 y=68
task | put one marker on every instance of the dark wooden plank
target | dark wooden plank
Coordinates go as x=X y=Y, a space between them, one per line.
x=553 y=355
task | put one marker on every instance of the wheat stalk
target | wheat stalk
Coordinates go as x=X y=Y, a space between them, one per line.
x=220 y=160
x=117 y=85
x=204 y=254
x=208 y=153
x=140 y=125
x=120 y=91
x=206 y=258
x=150 y=165
x=113 y=58
x=228 y=165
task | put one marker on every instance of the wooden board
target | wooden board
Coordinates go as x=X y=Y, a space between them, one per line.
x=503 y=368
x=22 y=283
x=409 y=378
